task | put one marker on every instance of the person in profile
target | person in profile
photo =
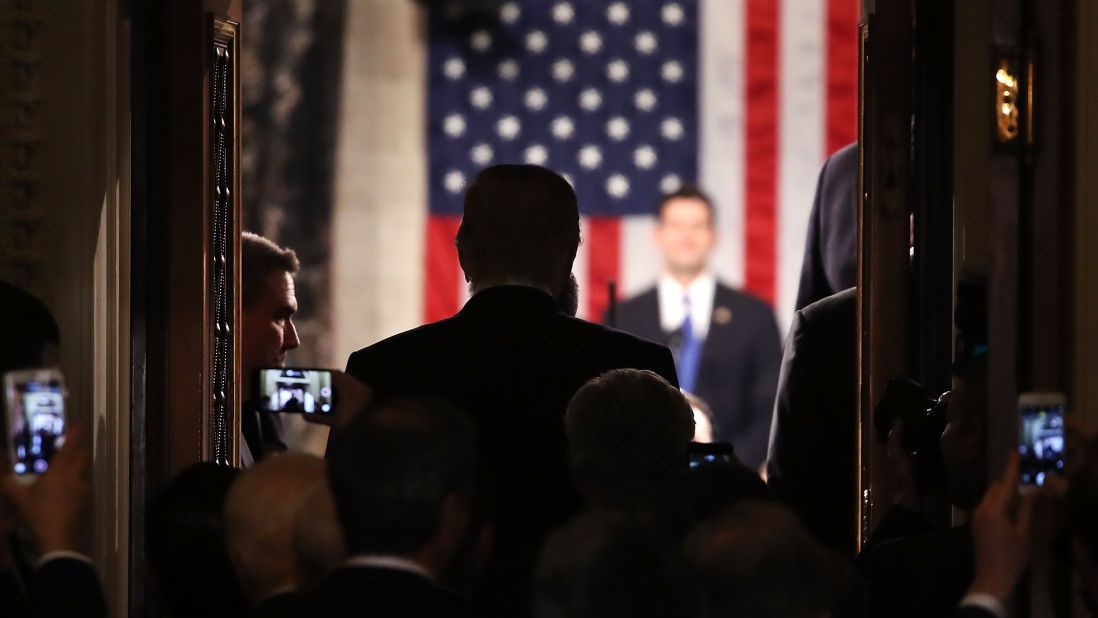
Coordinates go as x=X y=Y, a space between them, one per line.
x=728 y=350
x=512 y=359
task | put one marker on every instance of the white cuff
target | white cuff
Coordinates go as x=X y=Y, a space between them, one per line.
x=57 y=555
x=985 y=601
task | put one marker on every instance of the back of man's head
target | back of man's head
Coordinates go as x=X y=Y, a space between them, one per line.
x=29 y=329
x=627 y=429
x=394 y=469
x=317 y=536
x=757 y=560
x=185 y=532
x=259 y=257
x=608 y=564
x=259 y=521
x=521 y=224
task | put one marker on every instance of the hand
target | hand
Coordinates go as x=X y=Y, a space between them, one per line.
x=352 y=398
x=1002 y=541
x=54 y=507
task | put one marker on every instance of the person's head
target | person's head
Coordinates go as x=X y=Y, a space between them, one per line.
x=268 y=303
x=259 y=521
x=757 y=560
x=963 y=443
x=685 y=231
x=520 y=225
x=608 y=564
x=31 y=335
x=185 y=537
x=402 y=476
x=627 y=429
x=317 y=537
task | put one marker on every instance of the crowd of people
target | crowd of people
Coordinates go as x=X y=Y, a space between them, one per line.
x=514 y=460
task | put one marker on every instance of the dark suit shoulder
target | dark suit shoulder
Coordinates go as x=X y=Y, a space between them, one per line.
x=834 y=311
x=742 y=302
x=639 y=301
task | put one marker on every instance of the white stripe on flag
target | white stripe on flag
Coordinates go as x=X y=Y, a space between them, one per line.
x=640 y=261
x=803 y=106
x=721 y=128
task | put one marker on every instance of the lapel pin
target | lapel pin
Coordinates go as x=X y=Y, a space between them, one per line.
x=722 y=315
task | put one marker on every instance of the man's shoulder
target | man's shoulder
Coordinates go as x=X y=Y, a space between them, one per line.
x=741 y=301
x=640 y=299
x=832 y=311
x=420 y=336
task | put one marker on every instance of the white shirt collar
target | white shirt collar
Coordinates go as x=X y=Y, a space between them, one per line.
x=394 y=563
x=701 y=292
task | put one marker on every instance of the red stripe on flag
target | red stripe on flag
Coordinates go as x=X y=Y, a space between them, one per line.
x=760 y=216
x=442 y=275
x=602 y=235
x=842 y=73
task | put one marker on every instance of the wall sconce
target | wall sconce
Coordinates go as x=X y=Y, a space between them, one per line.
x=1006 y=102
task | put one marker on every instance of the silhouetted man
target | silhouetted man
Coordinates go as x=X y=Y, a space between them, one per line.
x=268 y=334
x=402 y=476
x=726 y=342
x=831 y=250
x=512 y=359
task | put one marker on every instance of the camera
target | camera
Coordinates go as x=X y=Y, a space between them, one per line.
x=924 y=419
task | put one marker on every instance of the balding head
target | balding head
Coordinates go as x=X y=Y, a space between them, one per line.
x=259 y=522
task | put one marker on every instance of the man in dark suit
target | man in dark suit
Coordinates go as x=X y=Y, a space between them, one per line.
x=402 y=477
x=268 y=334
x=831 y=252
x=512 y=359
x=812 y=465
x=727 y=345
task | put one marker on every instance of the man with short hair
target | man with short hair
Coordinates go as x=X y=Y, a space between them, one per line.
x=260 y=512
x=268 y=334
x=756 y=560
x=727 y=346
x=402 y=476
x=511 y=359
x=628 y=431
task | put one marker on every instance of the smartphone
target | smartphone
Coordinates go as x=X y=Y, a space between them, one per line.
x=34 y=415
x=1040 y=437
x=295 y=391
x=711 y=452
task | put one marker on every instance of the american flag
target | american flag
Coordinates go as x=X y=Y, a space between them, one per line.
x=629 y=99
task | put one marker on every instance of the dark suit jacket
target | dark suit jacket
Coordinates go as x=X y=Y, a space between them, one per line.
x=831 y=252
x=920 y=576
x=381 y=593
x=812 y=463
x=262 y=432
x=739 y=364
x=62 y=588
x=285 y=605
x=512 y=361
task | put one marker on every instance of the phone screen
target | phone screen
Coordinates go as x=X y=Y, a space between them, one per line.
x=710 y=452
x=1041 y=442
x=36 y=423
x=296 y=391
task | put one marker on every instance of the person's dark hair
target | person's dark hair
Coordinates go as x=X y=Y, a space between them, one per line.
x=185 y=536
x=688 y=191
x=259 y=257
x=520 y=222
x=627 y=427
x=757 y=560
x=393 y=468
x=30 y=329
x=608 y=564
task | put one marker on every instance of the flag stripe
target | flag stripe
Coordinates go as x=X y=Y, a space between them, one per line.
x=801 y=138
x=721 y=138
x=640 y=262
x=603 y=262
x=761 y=147
x=842 y=73
x=441 y=296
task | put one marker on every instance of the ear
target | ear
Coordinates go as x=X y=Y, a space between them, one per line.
x=454 y=519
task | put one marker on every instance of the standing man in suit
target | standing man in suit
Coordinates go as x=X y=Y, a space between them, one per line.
x=831 y=252
x=727 y=346
x=512 y=359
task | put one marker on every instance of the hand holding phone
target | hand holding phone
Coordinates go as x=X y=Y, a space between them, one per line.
x=294 y=390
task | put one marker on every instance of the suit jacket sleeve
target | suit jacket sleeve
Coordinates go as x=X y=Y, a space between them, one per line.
x=66 y=588
x=814 y=285
x=766 y=360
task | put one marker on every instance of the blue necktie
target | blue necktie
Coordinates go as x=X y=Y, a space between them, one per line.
x=689 y=351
